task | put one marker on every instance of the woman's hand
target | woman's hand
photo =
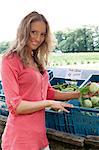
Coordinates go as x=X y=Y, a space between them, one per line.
x=91 y=94
x=60 y=106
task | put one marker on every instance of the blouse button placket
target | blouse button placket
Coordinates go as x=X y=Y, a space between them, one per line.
x=42 y=91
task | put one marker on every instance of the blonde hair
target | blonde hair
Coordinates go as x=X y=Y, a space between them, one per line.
x=23 y=33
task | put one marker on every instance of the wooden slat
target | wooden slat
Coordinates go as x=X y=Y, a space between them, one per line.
x=65 y=137
x=92 y=141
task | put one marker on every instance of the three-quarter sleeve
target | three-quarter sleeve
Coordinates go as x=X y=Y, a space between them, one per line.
x=9 y=74
x=50 y=92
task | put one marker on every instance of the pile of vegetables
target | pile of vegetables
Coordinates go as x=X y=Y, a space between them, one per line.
x=66 y=87
x=90 y=95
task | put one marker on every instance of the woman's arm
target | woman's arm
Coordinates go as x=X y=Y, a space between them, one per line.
x=59 y=95
x=26 y=107
x=66 y=95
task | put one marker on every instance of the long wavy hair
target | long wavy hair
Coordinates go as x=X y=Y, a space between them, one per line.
x=40 y=56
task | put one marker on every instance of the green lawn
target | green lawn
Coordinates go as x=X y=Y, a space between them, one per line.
x=62 y=59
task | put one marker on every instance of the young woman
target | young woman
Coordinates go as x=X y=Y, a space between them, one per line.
x=26 y=86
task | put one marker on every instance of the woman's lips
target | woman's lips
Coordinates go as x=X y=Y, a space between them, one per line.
x=35 y=44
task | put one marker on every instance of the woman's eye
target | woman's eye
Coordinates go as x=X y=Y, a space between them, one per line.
x=33 y=32
x=43 y=34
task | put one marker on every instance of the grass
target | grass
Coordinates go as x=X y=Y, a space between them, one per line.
x=65 y=59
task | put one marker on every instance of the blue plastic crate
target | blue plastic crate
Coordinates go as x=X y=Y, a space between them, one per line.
x=1 y=89
x=55 y=120
x=75 y=102
x=79 y=121
x=92 y=78
x=83 y=121
x=2 y=97
x=3 y=108
x=55 y=81
x=50 y=73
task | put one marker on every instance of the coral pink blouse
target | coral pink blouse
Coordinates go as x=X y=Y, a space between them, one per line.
x=24 y=132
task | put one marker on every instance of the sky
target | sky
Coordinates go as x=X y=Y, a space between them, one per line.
x=61 y=14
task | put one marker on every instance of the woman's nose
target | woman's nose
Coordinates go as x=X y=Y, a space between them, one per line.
x=38 y=37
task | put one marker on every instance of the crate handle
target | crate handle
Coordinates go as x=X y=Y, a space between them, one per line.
x=84 y=109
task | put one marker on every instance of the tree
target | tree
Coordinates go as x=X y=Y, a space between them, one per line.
x=59 y=36
x=82 y=39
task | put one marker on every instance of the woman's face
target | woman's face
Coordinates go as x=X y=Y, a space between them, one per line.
x=37 y=35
